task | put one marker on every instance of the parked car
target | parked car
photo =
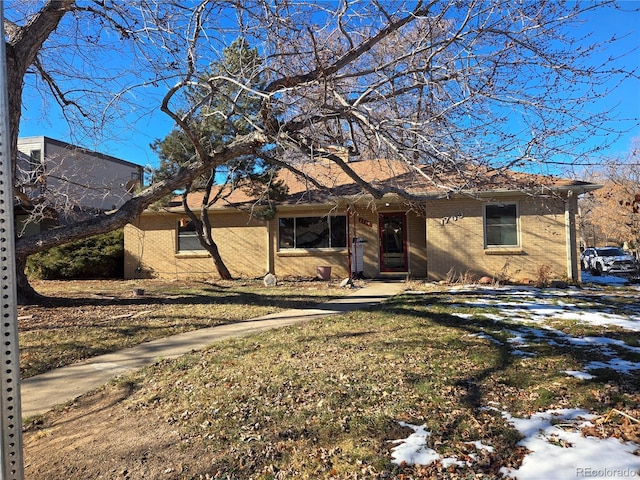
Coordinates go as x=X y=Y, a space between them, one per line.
x=609 y=260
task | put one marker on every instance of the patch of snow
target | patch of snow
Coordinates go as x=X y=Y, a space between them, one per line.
x=558 y=450
x=448 y=461
x=413 y=450
x=480 y=446
x=485 y=337
x=617 y=364
x=603 y=279
x=600 y=342
x=522 y=353
x=577 y=374
x=517 y=338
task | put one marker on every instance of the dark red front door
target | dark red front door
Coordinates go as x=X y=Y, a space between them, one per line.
x=393 y=242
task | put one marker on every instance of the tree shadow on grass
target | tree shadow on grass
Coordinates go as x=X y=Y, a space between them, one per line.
x=208 y=296
x=471 y=383
x=504 y=373
x=538 y=341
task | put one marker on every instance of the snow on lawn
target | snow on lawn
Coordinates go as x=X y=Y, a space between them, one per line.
x=413 y=450
x=523 y=337
x=522 y=307
x=558 y=450
x=536 y=306
x=603 y=279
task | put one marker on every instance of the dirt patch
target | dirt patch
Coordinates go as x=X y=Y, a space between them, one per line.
x=98 y=437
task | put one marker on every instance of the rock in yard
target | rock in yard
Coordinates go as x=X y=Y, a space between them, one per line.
x=270 y=280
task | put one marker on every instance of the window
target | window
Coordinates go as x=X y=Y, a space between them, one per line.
x=501 y=225
x=35 y=159
x=187 y=239
x=36 y=170
x=312 y=232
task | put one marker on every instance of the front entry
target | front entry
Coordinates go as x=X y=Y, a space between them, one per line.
x=393 y=242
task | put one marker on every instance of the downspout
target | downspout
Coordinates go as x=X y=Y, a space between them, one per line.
x=570 y=236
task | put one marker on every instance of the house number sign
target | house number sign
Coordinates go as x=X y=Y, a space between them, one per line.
x=452 y=218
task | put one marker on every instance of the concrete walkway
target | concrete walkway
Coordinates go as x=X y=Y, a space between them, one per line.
x=43 y=392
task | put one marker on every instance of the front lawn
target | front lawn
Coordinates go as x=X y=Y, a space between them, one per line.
x=82 y=319
x=432 y=384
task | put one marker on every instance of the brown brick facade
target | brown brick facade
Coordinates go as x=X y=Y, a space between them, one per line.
x=151 y=248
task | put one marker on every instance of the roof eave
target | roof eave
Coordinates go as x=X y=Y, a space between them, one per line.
x=428 y=197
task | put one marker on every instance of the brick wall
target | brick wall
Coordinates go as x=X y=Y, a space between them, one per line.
x=455 y=233
x=449 y=239
x=151 y=248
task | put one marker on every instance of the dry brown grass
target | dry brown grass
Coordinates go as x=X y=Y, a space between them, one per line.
x=81 y=319
x=323 y=400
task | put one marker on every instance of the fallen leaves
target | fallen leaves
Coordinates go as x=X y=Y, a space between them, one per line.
x=322 y=400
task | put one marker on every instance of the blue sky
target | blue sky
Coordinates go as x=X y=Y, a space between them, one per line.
x=134 y=133
x=131 y=141
x=625 y=23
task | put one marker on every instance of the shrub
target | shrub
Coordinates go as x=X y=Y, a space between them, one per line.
x=543 y=273
x=101 y=256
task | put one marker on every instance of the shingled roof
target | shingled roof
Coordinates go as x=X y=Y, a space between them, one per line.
x=392 y=177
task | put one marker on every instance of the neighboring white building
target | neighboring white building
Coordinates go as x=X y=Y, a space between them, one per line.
x=73 y=180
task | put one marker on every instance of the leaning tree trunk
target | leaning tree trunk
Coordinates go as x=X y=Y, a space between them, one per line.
x=222 y=269
x=204 y=230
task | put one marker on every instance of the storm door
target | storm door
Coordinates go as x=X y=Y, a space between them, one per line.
x=393 y=242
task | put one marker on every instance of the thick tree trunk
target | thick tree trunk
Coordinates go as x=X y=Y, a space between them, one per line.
x=22 y=47
x=26 y=293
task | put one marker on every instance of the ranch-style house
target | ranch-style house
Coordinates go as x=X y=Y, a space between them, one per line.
x=509 y=226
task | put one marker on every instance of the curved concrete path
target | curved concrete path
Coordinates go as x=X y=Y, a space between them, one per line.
x=42 y=392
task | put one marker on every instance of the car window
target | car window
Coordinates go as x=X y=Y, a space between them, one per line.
x=610 y=252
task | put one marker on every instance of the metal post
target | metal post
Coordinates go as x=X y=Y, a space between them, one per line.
x=10 y=412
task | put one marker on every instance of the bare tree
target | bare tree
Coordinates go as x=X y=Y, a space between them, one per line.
x=446 y=86
x=612 y=214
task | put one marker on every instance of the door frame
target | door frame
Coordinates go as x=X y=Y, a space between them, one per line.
x=381 y=253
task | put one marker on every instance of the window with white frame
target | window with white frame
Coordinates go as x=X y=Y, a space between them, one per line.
x=312 y=232
x=501 y=225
